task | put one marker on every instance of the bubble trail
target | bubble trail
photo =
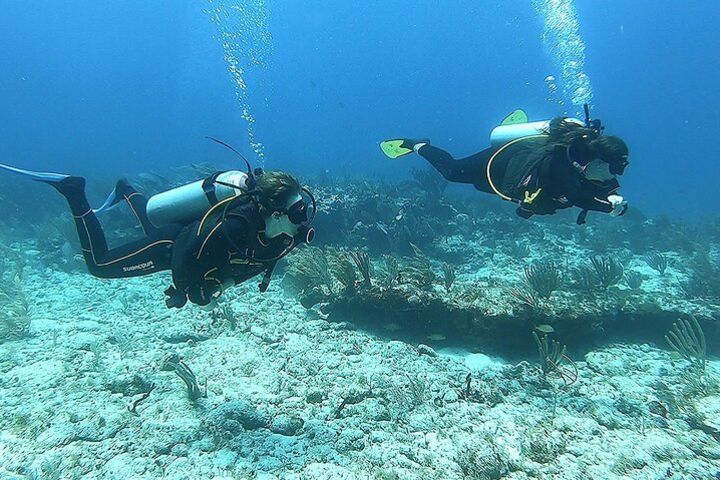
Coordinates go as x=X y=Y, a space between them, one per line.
x=561 y=38
x=243 y=30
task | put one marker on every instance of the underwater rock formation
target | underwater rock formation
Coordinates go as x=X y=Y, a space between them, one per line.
x=369 y=356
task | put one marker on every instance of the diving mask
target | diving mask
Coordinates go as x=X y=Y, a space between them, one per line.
x=293 y=220
x=617 y=167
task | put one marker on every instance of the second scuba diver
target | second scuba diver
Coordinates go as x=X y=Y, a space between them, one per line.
x=542 y=167
x=212 y=234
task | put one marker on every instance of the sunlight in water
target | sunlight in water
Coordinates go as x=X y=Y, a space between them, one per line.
x=561 y=38
x=243 y=30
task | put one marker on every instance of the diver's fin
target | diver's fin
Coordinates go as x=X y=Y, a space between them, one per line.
x=65 y=184
x=399 y=146
x=47 y=177
x=517 y=116
x=394 y=148
x=115 y=197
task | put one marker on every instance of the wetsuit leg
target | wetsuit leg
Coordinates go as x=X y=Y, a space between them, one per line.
x=151 y=254
x=138 y=205
x=466 y=170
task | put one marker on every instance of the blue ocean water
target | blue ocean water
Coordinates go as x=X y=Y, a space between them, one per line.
x=94 y=87
x=429 y=332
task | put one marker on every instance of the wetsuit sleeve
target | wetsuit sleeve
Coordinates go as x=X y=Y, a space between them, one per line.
x=593 y=197
x=564 y=181
x=590 y=202
x=185 y=269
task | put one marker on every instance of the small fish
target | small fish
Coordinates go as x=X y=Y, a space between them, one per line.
x=391 y=327
x=152 y=177
x=203 y=167
x=436 y=337
x=544 y=328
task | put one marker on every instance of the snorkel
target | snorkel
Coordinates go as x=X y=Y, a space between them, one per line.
x=593 y=124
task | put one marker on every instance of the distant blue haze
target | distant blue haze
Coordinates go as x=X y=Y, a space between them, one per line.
x=121 y=87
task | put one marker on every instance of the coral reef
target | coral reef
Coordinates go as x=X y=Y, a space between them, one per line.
x=370 y=357
x=14 y=318
x=687 y=338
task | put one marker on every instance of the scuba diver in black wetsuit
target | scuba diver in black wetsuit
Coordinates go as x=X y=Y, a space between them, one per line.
x=542 y=167
x=211 y=234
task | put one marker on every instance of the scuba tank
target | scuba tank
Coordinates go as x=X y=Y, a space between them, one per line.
x=516 y=125
x=503 y=134
x=190 y=202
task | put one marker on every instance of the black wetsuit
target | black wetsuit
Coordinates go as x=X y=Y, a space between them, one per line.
x=232 y=248
x=539 y=180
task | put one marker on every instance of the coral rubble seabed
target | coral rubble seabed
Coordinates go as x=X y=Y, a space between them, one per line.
x=403 y=346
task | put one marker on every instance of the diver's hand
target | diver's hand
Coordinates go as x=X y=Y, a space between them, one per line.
x=203 y=295
x=618 y=204
x=174 y=298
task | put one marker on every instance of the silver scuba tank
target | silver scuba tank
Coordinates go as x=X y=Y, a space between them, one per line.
x=503 y=134
x=190 y=202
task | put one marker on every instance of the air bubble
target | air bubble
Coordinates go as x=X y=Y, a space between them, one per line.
x=561 y=38
x=244 y=33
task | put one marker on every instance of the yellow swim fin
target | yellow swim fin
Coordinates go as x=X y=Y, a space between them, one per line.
x=517 y=116
x=395 y=148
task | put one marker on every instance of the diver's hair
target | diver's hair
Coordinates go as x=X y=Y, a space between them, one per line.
x=563 y=132
x=276 y=188
x=585 y=143
x=610 y=148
